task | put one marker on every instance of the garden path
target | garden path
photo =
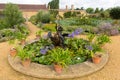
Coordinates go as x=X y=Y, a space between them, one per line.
x=110 y=72
x=33 y=29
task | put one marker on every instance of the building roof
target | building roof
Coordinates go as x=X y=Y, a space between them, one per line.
x=28 y=7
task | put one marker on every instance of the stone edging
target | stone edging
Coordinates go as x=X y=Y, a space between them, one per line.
x=44 y=71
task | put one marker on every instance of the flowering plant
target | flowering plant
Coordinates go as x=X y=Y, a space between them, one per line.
x=75 y=50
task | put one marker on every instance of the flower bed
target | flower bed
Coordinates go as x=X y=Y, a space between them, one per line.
x=71 y=51
x=71 y=54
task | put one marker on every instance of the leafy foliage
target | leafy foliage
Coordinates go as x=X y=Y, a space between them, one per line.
x=41 y=17
x=108 y=29
x=54 y=4
x=115 y=13
x=70 y=14
x=90 y=10
x=61 y=56
x=24 y=54
x=13 y=15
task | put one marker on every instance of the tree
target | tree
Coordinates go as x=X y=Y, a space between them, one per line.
x=115 y=13
x=77 y=9
x=101 y=10
x=97 y=10
x=13 y=15
x=104 y=14
x=82 y=8
x=54 y=4
x=89 y=10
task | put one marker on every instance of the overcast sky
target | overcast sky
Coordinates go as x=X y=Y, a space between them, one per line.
x=77 y=3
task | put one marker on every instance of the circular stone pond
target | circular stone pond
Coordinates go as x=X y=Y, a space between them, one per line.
x=45 y=71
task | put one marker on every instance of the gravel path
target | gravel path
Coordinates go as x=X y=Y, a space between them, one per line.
x=110 y=72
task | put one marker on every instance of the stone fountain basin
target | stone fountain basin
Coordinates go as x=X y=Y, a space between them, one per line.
x=47 y=71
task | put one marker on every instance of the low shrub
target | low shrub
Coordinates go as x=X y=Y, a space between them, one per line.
x=6 y=34
x=70 y=14
x=9 y=34
x=108 y=29
x=33 y=19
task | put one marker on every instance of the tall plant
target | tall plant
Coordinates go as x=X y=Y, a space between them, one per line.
x=13 y=15
x=115 y=13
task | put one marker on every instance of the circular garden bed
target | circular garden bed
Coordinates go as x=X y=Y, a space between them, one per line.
x=60 y=55
x=45 y=71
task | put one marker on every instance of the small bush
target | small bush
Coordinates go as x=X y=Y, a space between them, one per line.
x=54 y=13
x=8 y=34
x=108 y=29
x=70 y=14
x=33 y=19
x=3 y=24
x=43 y=17
x=13 y=15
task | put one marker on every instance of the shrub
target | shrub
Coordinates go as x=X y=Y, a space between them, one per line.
x=3 y=24
x=43 y=17
x=67 y=14
x=108 y=29
x=6 y=34
x=33 y=19
x=70 y=14
x=54 y=13
x=115 y=13
x=89 y=10
x=13 y=15
x=104 y=14
x=17 y=33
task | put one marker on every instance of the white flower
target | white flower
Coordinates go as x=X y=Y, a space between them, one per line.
x=78 y=58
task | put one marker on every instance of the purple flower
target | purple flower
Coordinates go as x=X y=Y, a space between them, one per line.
x=43 y=51
x=105 y=26
x=78 y=31
x=89 y=47
x=71 y=35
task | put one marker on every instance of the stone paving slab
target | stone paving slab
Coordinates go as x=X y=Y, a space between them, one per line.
x=45 y=71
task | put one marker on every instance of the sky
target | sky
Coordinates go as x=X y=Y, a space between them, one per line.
x=77 y=3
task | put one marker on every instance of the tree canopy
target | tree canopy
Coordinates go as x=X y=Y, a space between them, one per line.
x=54 y=4
x=90 y=10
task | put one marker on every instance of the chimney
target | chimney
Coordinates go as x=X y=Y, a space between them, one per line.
x=72 y=7
x=66 y=7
